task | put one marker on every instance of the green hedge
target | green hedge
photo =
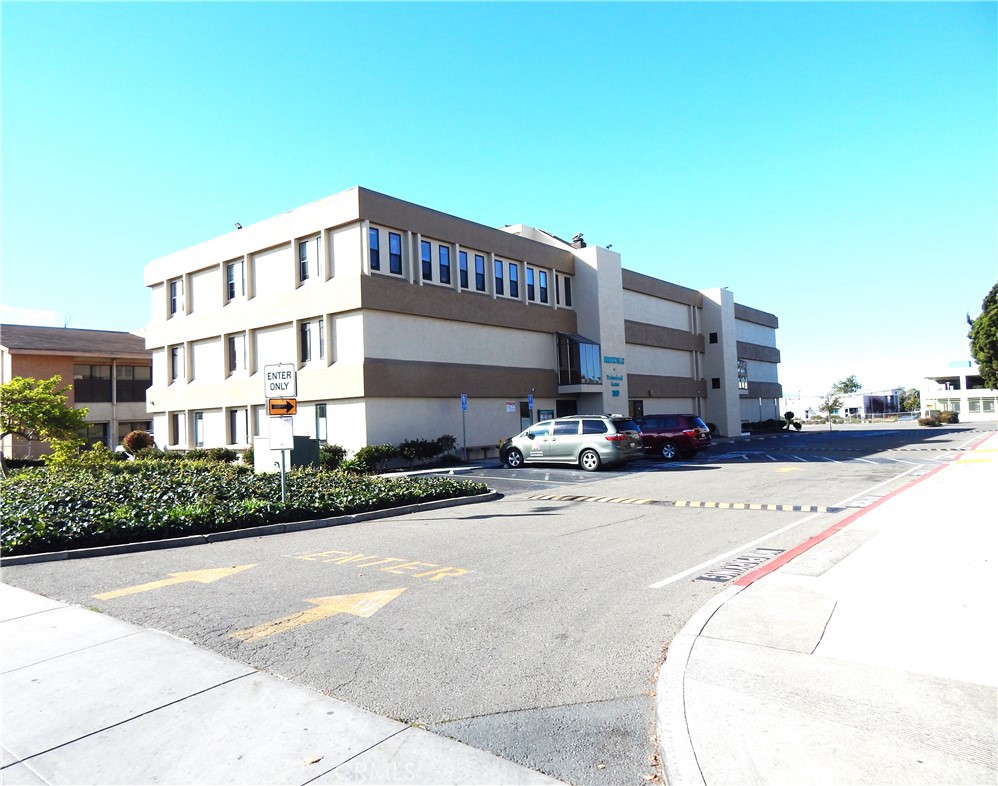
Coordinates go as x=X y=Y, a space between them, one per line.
x=65 y=508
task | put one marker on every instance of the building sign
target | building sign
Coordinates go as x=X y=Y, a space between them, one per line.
x=511 y=406
x=280 y=380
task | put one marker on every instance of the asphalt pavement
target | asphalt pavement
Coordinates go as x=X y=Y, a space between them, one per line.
x=866 y=656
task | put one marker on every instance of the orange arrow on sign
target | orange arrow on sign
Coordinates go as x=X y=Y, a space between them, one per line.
x=364 y=604
x=200 y=576
x=282 y=406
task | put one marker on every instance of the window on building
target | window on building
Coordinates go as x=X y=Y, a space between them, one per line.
x=426 y=257
x=199 y=429
x=712 y=338
x=743 y=375
x=500 y=279
x=235 y=281
x=568 y=292
x=715 y=383
x=94 y=433
x=92 y=383
x=462 y=267
x=235 y=352
x=531 y=294
x=443 y=256
x=514 y=279
x=312 y=345
x=479 y=272
x=305 y=342
x=238 y=431
x=131 y=382
x=542 y=280
x=321 y=424
x=373 y=239
x=578 y=361
x=176 y=296
x=395 y=253
x=174 y=435
x=303 y=261
x=176 y=363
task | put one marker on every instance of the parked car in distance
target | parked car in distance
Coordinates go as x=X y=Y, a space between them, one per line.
x=587 y=440
x=670 y=436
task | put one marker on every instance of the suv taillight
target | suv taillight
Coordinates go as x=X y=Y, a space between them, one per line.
x=690 y=432
x=618 y=437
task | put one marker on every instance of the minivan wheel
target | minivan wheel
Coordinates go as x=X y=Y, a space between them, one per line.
x=514 y=458
x=589 y=460
x=669 y=450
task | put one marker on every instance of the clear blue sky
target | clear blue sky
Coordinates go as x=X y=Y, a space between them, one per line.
x=834 y=164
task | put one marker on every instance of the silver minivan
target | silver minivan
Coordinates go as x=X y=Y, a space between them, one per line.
x=586 y=440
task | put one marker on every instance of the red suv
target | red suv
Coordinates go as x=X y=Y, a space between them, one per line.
x=673 y=435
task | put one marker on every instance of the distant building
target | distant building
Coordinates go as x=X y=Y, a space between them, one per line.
x=862 y=405
x=389 y=312
x=109 y=373
x=960 y=388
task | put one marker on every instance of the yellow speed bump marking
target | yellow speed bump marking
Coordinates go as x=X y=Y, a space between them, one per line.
x=973 y=461
x=201 y=576
x=790 y=469
x=579 y=498
x=364 y=604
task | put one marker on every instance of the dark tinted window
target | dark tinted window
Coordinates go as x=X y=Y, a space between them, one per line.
x=626 y=425
x=566 y=427
x=698 y=423
x=594 y=427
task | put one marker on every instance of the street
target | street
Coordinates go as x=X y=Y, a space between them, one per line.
x=532 y=626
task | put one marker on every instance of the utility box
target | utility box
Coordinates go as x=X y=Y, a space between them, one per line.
x=305 y=453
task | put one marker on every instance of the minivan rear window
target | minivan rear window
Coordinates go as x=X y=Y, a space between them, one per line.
x=594 y=427
x=626 y=425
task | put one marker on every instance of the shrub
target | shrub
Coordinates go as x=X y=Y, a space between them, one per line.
x=929 y=420
x=248 y=456
x=446 y=444
x=136 y=441
x=949 y=417
x=62 y=507
x=376 y=456
x=353 y=466
x=330 y=456
x=418 y=450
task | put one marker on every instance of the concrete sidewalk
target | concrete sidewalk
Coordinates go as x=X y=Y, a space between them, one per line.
x=90 y=699
x=870 y=658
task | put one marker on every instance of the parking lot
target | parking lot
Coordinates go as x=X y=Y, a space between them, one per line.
x=531 y=626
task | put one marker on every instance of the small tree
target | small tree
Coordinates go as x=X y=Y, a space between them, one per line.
x=830 y=404
x=846 y=386
x=984 y=338
x=912 y=401
x=38 y=411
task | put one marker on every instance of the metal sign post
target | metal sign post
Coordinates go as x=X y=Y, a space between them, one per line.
x=464 y=428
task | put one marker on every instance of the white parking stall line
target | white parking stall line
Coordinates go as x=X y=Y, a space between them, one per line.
x=902 y=461
x=866 y=461
x=771 y=458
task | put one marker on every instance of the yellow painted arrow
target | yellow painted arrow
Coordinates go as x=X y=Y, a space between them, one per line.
x=790 y=469
x=201 y=576
x=364 y=604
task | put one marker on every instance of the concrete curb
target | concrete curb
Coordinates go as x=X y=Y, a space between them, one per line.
x=676 y=752
x=249 y=532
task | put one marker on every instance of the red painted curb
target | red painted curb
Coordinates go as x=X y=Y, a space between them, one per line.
x=785 y=557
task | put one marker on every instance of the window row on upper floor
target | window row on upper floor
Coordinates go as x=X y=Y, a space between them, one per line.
x=95 y=383
x=286 y=267
x=449 y=265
